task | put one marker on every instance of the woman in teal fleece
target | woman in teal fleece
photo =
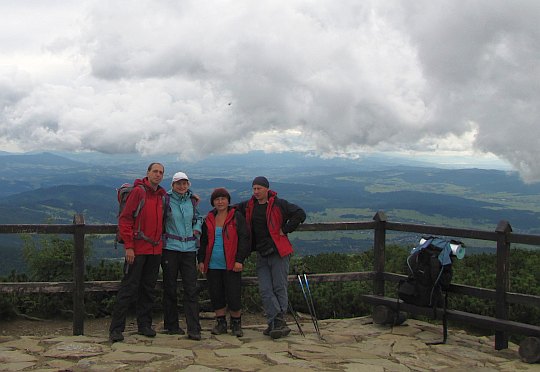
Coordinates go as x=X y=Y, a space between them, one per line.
x=183 y=227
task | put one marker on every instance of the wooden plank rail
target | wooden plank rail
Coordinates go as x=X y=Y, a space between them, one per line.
x=502 y=236
x=482 y=293
x=113 y=285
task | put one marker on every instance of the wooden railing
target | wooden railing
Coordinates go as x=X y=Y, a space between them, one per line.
x=503 y=236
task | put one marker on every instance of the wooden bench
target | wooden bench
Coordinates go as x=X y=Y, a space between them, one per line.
x=529 y=349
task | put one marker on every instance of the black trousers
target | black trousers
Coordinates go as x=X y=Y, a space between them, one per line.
x=185 y=263
x=225 y=288
x=137 y=286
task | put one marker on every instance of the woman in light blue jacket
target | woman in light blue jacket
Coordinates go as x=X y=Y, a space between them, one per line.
x=183 y=227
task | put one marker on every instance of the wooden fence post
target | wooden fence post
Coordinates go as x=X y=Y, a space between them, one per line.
x=379 y=244
x=78 y=275
x=502 y=284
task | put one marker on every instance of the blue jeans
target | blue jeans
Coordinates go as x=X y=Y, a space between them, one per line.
x=272 y=272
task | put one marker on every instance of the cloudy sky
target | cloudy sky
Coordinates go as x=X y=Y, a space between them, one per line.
x=192 y=78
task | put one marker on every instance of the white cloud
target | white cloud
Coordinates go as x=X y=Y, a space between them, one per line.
x=199 y=77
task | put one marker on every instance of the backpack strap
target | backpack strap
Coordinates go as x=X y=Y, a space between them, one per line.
x=138 y=210
x=194 y=203
x=180 y=238
x=444 y=319
x=444 y=322
x=140 y=236
x=141 y=203
x=396 y=314
x=166 y=200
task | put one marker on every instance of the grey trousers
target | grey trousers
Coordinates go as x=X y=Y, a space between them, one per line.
x=272 y=274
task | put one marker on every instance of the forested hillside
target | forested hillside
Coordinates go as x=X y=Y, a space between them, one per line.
x=49 y=188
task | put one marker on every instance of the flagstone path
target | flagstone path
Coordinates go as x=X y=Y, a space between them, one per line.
x=347 y=345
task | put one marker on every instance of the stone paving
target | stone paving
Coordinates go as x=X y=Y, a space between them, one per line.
x=347 y=345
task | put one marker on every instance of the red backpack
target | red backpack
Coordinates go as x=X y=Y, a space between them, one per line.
x=122 y=194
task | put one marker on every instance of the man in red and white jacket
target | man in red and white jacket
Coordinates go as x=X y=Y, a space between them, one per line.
x=269 y=219
x=142 y=236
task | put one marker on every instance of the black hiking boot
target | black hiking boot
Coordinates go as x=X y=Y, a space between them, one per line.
x=174 y=331
x=236 y=327
x=266 y=332
x=116 y=336
x=196 y=336
x=280 y=328
x=220 y=327
x=147 y=331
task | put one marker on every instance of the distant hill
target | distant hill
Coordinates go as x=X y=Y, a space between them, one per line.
x=59 y=204
x=39 y=187
x=98 y=203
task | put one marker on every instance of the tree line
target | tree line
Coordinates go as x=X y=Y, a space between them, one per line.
x=50 y=258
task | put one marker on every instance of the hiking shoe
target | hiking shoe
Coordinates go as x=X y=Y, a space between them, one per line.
x=147 y=331
x=278 y=333
x=236 y=327
x=266 y=332
x=220 y=327
x=116 y=336
x=280 y=328
x=194 y=336
x=178 y=331
x=285 y=330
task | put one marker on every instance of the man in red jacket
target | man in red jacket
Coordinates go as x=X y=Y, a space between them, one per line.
x=269 y=220
x=142 y=241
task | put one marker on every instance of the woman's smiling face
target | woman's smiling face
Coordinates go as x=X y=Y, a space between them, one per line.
x=181 y=186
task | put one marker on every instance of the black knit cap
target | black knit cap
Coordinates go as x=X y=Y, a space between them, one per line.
x=261 y=181
x=220 y=191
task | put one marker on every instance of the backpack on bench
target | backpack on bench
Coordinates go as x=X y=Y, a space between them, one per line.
x=430 y=274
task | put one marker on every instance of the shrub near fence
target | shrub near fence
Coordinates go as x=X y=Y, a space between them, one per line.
x=501 y=296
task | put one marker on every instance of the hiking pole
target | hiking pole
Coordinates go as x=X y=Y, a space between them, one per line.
x=295 y=316
x=307 y=301
x=316 y=322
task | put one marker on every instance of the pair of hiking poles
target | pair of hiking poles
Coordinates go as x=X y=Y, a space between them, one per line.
x=306 y=291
